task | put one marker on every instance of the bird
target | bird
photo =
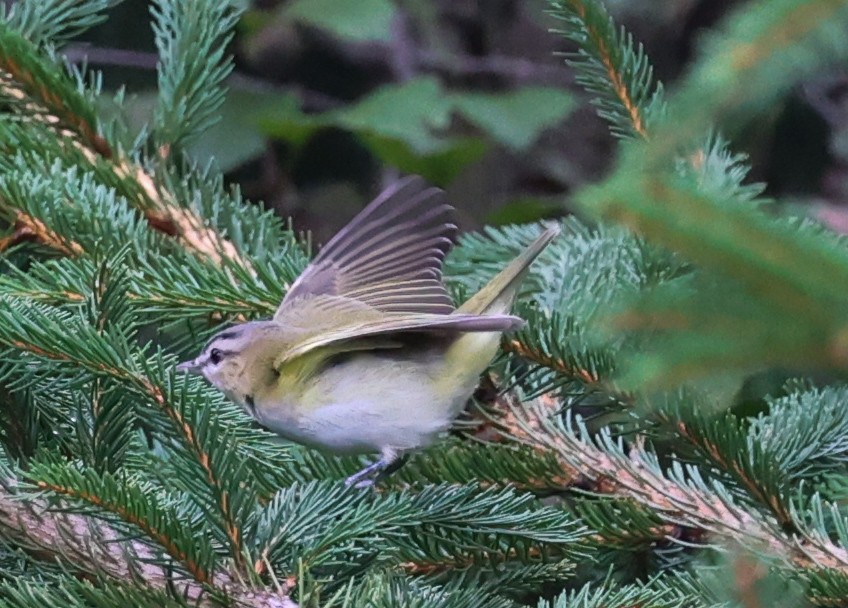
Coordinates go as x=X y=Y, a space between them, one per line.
x=367 y=353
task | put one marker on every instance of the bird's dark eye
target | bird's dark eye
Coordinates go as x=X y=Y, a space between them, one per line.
x=216 y=356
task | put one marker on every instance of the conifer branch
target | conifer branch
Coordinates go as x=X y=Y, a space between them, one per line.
x=233 y=527
x=44 y=86
x=759 y=53
x=94 y=549
x=636 y=476
x=191 y=38
x=200 y=574
x=559 y=366
x=44 y=22
x=725 y=461
x=608 y=65
x=795 y=25
x=28 y=228
x=185 y=430
x=49 y=88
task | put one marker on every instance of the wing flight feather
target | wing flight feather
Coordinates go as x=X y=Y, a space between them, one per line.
x=388 y=257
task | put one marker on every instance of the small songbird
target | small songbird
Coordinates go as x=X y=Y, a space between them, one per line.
x=366 y=353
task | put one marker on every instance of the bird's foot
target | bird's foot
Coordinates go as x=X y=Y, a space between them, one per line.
x=366 y=477
x=377 y=471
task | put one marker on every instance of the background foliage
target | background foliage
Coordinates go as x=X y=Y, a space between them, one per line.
x=669 y=430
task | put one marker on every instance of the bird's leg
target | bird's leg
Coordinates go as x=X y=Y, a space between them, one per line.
x=389 y=462
x=359 y=476
x=392 y=467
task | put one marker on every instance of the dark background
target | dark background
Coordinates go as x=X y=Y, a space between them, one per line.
x=321 y=58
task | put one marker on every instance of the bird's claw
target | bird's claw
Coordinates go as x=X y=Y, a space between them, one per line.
x=376 y=471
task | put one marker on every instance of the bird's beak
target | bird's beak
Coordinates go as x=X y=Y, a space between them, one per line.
x=191 y=367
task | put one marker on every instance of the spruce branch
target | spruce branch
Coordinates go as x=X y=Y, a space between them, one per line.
x=560 y=366
x=659 y=592
x=191 y=37
x=679 y=497
x=108 y=353
x=28 y=228
x=722 y=442
x=165 y=214
x=757 y=54
x=493 y=531
x=94 y=549
x=45 y=22
x=48 y=88
x=86 y=489
x=216 y=478
x=619 y=74
x=53 y=99
x=610 y=66
x=790 y=269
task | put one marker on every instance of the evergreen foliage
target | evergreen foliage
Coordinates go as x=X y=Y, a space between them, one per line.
x=603 y=463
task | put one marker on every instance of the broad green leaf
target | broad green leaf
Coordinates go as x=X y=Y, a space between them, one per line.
x=285 y=120
x=352 y=19
x=441 y=166
x=408 y=112
x=517 y=118
x=234 y=139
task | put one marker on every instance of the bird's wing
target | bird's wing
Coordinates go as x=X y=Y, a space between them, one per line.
x=388 y=257
x=374 y=324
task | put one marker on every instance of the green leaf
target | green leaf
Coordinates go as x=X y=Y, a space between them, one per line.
x=517 y=118
x=235 y=139
x=440 y=167
x=352 y=19
x=286 y=121
x=408 y=112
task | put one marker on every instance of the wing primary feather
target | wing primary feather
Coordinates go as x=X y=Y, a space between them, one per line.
x=410 y=244
x=415 y=261
x=400 y=233
x=411 y=287
x=389 y=254
x=353 y=233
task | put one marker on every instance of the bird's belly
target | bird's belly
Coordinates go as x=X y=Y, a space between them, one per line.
x=365 y=404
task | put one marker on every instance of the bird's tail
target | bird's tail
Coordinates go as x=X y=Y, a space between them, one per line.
x=468 y=356
x=497 y=296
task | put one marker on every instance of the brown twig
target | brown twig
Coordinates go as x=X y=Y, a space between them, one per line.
x=28 y=228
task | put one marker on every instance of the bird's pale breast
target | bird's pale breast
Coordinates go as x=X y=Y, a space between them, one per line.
x=366 y=402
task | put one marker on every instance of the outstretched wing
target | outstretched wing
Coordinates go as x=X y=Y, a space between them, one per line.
x=370 y=324
x=389 y=256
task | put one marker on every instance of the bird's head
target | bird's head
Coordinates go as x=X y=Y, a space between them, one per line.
x=237 y=359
